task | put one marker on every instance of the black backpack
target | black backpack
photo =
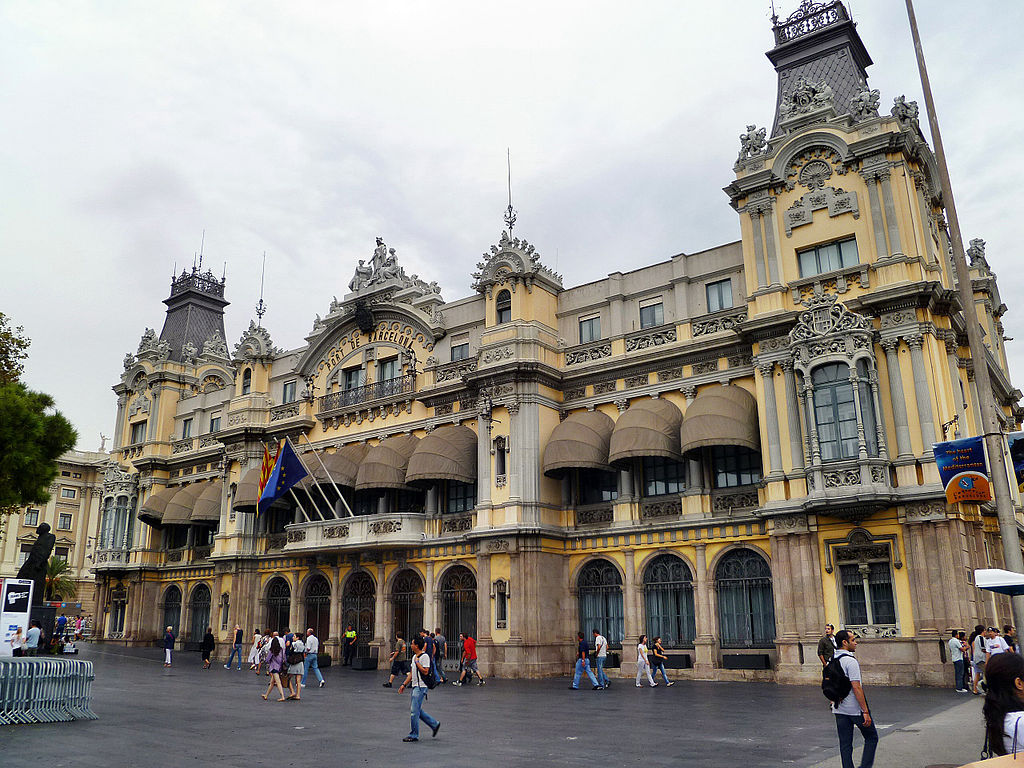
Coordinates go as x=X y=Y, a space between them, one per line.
x=834 y=683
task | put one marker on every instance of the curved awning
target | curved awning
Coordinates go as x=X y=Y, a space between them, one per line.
x=342 y=466
x=207 y=506
x=385 y=464
x=246 y=491
x=179 y=509
x=152 y=511
x=581 y=441
x=721 y=416
x=647 y=428
x=447 y=453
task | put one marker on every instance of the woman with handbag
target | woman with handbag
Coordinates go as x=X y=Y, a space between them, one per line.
x=254 y=652
x=207 y=646
x=275 y=662
x=660 y=657
x=296 y=666
x=1004 y=704
x=643 y=664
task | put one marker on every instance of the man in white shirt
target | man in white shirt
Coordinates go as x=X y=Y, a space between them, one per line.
x=956 y=654
x=853 y=710
x=994 y=644
x=601 y=656
x=416 y=680
x=310 y=660
x=32 y=638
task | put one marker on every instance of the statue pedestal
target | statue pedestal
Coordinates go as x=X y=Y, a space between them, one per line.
x=46 y=615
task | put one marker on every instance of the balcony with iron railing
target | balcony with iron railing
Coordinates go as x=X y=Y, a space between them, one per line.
x=358 y=397
x=361 y=531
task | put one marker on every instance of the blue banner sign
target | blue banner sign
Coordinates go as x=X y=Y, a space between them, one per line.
x=1016 y=443
x=963 y=470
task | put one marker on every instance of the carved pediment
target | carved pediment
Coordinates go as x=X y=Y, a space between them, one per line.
x=511 y=261
x=255 y=344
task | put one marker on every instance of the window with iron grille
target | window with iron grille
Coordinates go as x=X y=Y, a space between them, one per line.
x=668 y=597
x=458 y=603
x=407 y=598
x=599 y=591
x=746 y=613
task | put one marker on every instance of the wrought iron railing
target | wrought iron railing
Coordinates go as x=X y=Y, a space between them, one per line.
x=400 y=385
x=809 y=17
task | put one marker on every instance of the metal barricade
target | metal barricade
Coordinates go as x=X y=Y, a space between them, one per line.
x=45 y=690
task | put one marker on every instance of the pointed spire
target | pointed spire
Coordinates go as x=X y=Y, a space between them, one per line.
x=261 y=307
x=510 y=213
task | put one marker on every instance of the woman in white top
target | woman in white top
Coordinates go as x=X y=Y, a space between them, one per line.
x=643 y=664
x=254 y=652
x=295 y=670
x=1004 y=704
x=17 y=642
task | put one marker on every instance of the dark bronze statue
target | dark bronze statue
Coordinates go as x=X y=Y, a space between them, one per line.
x=34 y=567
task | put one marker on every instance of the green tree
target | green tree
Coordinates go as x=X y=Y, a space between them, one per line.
x=58 y=585
x=13 y=349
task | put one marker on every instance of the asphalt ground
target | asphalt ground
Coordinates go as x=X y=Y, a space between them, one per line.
x=152 y=716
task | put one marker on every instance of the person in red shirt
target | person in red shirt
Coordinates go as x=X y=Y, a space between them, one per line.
x=469 y=663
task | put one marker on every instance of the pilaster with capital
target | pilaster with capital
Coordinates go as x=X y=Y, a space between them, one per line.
x=759 y=260
x=871 y=177
x=483 y=597
x=429 y=596
x=631 y=616
x=796 y=442
x=705 y=645
x=766 y=369
x=896 y=397
x=921 y=390
x=483 y=460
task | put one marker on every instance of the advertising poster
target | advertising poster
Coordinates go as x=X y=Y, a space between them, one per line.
x=963 y=470
x=16 y=595
x=1016 y=444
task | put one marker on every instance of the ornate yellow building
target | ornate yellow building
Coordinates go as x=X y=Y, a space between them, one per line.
x=727 y=448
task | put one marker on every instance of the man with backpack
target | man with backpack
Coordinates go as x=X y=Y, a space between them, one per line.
x=841 y=684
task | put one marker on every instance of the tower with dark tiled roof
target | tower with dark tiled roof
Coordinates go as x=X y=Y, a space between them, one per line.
x=195 y=311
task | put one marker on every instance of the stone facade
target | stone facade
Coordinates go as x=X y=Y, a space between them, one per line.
x=728 y=448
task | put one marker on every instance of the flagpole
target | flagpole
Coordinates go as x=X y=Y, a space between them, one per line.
x=308 y=520
x=310 y=476
x=296 y=498
x=328 y=474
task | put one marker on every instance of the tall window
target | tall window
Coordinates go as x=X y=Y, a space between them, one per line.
x=461 y=496
x=247 y=381
x=64 y=521
x=318 y=606
x=595 y=486
x=828 y=257
x=186 y=428
x=388 y=369
x=279 y=599
x=357 y=608
x=199 y=608
x=733 y=465
x=668 y=596
x=503 y=307
x=663 y=476
x=288 y=392
x=352 y=378
x=652 y=315
x=172 y=609
x=458 y=602
x=460 y=351
x=407 y=598
x=500 y=444
x=746 y=614
x=23 y=554
x=138 y=432
x=590 y=329
x=835 y=412
x=215 y=421
x=32 y=517
x=61 y=553
x=501 y=604
x=600 y=601
x=867 y=593
x=719 y=295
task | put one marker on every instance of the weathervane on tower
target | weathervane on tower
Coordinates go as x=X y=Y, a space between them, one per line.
x=510 y=213
x=261 y=307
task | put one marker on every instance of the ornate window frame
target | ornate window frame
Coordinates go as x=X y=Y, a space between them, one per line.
x=860 y=547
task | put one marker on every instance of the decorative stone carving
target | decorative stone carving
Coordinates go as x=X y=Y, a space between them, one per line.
x=719 y=323
x=738 y=361
x=255 y=344
x=296 y=536
x=575 y=393
x=282 y=412
x=788 y=524
x=805 y=97
x=215 y=346
x=181 y=446
x=752 y=142
x=649 y=339
x=814 y=174
x=511 y=261
x=841 y=478
x=379 y=527
x=836 y=200
x=827 y=327
x=500 y=481
x=604 y=387
x=670 y=374
x=188 y=353
x=498 y=545
x=588 y=354
x=140 y=405
x=456 y=524
x=976 y=253
x=444 y=409
x=654 y=509
x=707 y=366
x=924 y=511
x=905 y=111
x=865 y=104
x=735 y=500
x=874 y=631
x=361 y=278
x=592 y=515
x=455 y=371
x=622 y=404
x=636 y=381
x=336 y=531
x=151 y=348
x=496 y=355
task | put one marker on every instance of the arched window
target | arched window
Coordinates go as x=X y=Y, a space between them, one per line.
x=247 y=381
x=600 y=601
x=503 y=307
x=172 y=610
x=357 y=609
x=836 y=411
x=107 y=524
x=668 y=595
x=746 y=614
x=199 y=608
x=318 y=607
x=279 y=598
x=458 y=603
x=407 y=596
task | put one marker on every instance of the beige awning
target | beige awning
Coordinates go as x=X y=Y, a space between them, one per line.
x=207 y=506
x=152 y=511
x=647 y=428
x=246 y=491
x=721 y=416
x=447 y=453
x=342 y=466
x=179 y=508
x=581 y=441
x=385 y=464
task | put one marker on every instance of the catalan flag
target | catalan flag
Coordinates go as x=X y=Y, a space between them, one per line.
x=288 y=470
x=265 y=469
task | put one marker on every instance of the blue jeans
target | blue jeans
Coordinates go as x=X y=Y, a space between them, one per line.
x=236 y=648
x=959 y=667
x=416 y=713
x=583 y=665
x=660 y=667
x=844 y=724
x=311 y=662
x=602 y=678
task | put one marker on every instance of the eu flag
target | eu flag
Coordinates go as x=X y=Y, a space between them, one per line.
x=288 y=470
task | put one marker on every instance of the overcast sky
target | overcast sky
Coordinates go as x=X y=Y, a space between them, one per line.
x=305 y=130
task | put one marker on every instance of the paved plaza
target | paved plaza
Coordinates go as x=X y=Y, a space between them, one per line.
x=151 y=716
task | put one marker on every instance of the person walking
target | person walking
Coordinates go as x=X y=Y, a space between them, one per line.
x=168 y=646
x=236 y=647
x=62 y=624
x=956 y=655
x=994 y=644
x=469 y=661
x=17 y=643
x=34 y=636
x=1003 y=709
x=853 y=709
x=416 y=680
x=429 y=649
x=440 y=653
x=254 y=652
x=827 y=645
x=275 y=663
x=349 y=647
x=660 y=657
x=207 y=646
x=296 y=666
x=977 y=642
x=78 y=628
x=312 y=661
x=600 y=657
x=397 y=659
x=1010 y=636
x=583 y=664
x=643 y=663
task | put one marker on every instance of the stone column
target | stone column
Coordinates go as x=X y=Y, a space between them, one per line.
x=429 y=597
x=955 y=383
x=786 y=591
x=705 y=646
x=296 y=605
x=890 y=215
x=430 y=507
x=154 y=414
x=755 y=226
x=771 y=252
x=483 y=597
x=921 y=390
x=483 y=460
x=879 y=429
x=334 y=623
x=516 y=604
x=877 y=224
x=766 y=370
x=812 y=424
x=516 y=439
x=899 y=403
x=919 y=574
x=380 y=618
x=796 y=450
x=122 y=400
x=632 y=620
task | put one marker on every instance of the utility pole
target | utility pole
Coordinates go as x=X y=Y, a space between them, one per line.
x=990 y=422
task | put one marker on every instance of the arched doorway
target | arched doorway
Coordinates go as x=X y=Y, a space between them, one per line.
x=118 y=609
x=668 y=598
x=746 y=613
x=599 y=588
x=357 y=609
x=172 y=610
x=318 y=607
x=279 y=599
x=407 y=597
x=199 y=610
x=458 y=604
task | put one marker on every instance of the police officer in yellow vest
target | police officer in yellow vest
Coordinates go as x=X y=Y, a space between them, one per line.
x=349 y=648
